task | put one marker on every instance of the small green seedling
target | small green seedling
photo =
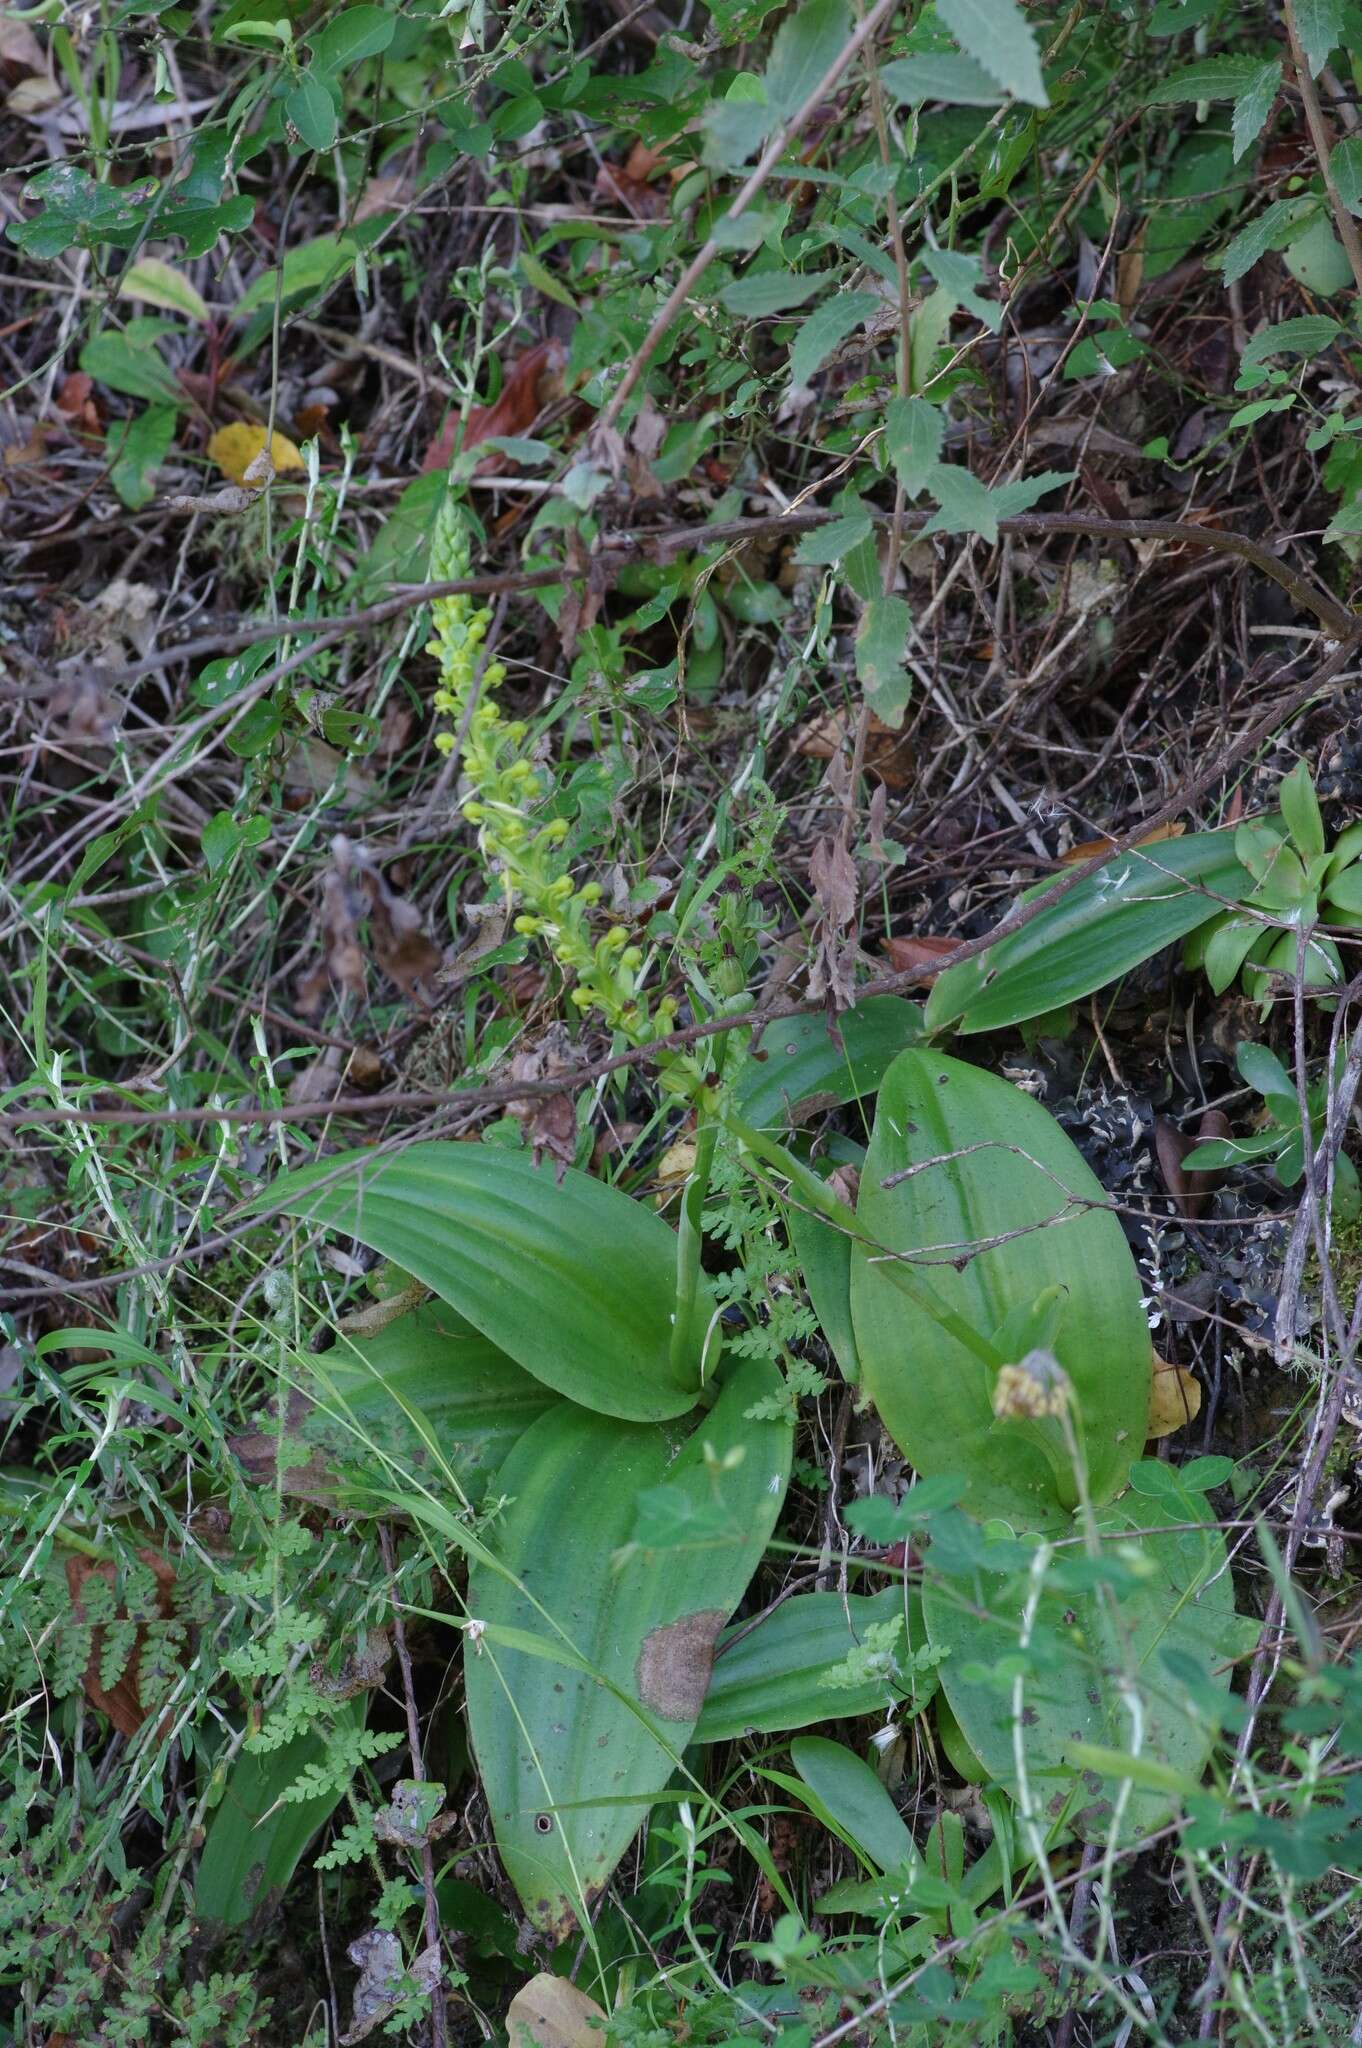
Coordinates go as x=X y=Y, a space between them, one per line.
x=1282 y=1139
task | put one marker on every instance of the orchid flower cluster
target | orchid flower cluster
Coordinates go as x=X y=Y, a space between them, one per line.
x=502 y=792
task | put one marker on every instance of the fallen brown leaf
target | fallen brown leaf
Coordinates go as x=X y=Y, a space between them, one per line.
x=920 y=956
x=121 y=1702
x=514 y=411
x=548 y=2012
x=1090 y=849
x=1191 y=1191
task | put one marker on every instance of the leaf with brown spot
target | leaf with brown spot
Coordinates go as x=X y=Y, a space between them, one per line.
x=604 y=1710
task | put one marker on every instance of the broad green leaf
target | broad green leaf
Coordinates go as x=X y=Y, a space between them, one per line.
x=996 y=1209
x=1227 y=948
x=939 y=75
x=129 y=362
x=1319 y=24
x=773 y=291
x=802 y=1066
x=1345 y=168
x=424 y=1399
x=914 y=432
x=1316 y=260
x=160 y=284
x=930 y=327
x=997 y=35
x=770 y=1678
x=1300 y=811
x=881 y=641
x=804 y=51
x=846 y=1788
x=306 y=268
x=350 y=36
x=1263 y=1070
x=572 y=1758
x=1128 y=910
x=959 y=276
x=1252 y=107
x=572 y=1279
x=824 y=1255
x=1306 y=335
x=136 y=450
x=254 y=1843
x=1213 y=78
x=1084 y=1644
x=825 y=328
x=312 y=112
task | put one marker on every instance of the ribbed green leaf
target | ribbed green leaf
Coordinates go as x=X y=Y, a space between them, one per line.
x=997 y=1172
x=846 y=1787
x=425 y=1398
x=803 y=1067
x=1125 y=912
x=1178 y=1618
x=771 y=1678
x=576 y=1733
x=254 y=1844
x=572 y=1279
x=824 y=1255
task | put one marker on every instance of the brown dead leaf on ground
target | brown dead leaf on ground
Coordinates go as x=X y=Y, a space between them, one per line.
x=920 y=956
x=529 y=385
x=832 y=877
x=630 y=185
x=1090 y=849
x=549 y=1121
x=888 y=754
x=76 y=403
x=353 y=890
x=121 y=1702
x=1191 y=1191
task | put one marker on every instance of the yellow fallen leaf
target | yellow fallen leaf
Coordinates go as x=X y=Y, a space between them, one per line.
x=1174 y=1399
x=236 y=448
x=675 y=1166
x=548 y=2012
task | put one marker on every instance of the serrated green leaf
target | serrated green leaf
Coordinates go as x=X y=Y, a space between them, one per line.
x=571 y=1768
x=913 y=435
x=1319 y=24
x=1273 y=229
x=825 y=327
x=824 y=545
x=1252 y=107
x=570 y=1278
x=1345 y=168
x=804 y=51
x=881 y=641
x=770 y=292
x=939 y=75
x=997 y=35
x=965 y=505
x=543 y=280
x=1304 y=336
x=1010 y=500
x=987 y=1166
x=137 y=452
x=958 y=275
x=1213 y=78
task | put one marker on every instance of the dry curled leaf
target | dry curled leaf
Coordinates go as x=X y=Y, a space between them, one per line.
x=1190 y=1190
x=378 y=1957
x=353 y=890
x=549 y=1121
x=832 y=875
x=238 y=448
x=1174 y=1399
